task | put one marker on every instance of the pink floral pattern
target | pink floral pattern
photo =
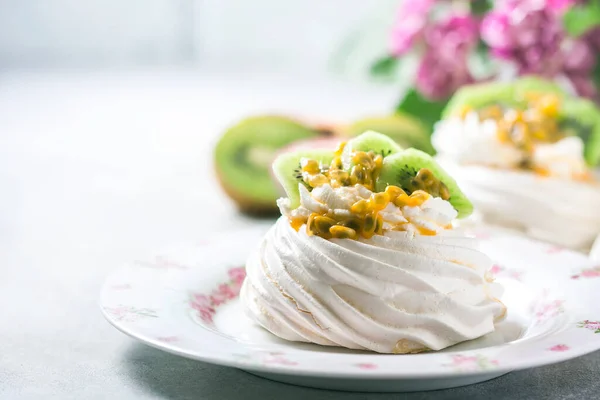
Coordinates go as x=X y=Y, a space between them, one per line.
x=588 y=273
x=559 y=348
x=546 y=310
x=167 y=339
x=206 y=304
x=130 y=313
x=591 y=325
x=499 y=270
x=367 y=366
x=482 y=235
x=476 y=362
x=160 y=262
x=554 y=249
x=277 y=358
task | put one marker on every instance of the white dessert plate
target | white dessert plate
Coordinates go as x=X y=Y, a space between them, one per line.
x=184 y=301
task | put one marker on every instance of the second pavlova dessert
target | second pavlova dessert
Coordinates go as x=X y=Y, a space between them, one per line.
x=366 y=254
x=523 y=152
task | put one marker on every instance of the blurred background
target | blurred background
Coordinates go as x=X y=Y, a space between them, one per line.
x=230 y=35
x=110 y=110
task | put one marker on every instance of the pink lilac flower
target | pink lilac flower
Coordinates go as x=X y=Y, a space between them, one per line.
x=529 y=34
x=410 y=23
x=561 y=5
x=443 y=68
x=526 y=33
x=438 y=78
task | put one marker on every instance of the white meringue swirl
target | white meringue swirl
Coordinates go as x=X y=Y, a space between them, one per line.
x=560 y=211
x=393 y=293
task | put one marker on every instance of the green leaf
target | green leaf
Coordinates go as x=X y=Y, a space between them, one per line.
x=385 y=67
x=580 y=19
x=427 y=111
x=481 y=7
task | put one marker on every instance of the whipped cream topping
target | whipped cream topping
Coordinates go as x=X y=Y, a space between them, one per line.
x=393 y=293
x=470 y=141
x=563 y=159
x=434 y=216
x=564 y=212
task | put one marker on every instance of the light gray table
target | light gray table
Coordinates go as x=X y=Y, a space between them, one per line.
x=96 y=169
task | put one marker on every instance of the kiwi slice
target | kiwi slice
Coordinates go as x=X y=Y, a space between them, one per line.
x=243 y=158
x=403 y=129
x=578 y=116
x=401 y=169
x=373 y=141
x=507 y=93
x=286 y=169
x=369 y=141
x=582 y=117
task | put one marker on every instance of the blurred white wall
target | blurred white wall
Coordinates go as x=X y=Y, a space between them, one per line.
x=94 y=32
x=277 y=35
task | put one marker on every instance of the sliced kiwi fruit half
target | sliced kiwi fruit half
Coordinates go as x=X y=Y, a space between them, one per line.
x=243 y=158
x=403 y=129
x=578 y=116
x=287 y=167
x=287 y=170
x=412 y=169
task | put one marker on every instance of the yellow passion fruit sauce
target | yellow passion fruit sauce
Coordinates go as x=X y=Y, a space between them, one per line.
x=365 y=220
x=537 y=123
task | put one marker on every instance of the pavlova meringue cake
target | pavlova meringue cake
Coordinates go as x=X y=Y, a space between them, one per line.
x=366 y=255
x=523 y=152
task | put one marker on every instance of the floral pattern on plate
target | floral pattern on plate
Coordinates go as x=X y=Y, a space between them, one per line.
x=591 y=325
x=206 y=304
x=154 y=307
x=130 y=313
x=477 y=362
x=588 y=273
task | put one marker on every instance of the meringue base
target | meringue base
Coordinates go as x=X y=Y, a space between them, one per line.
x=562 y=212
x=389 y=294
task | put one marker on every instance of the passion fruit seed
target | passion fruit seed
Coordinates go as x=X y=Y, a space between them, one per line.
x=342 y=232
x=310 y=166
x=426 y=181
x=317 y=180
x=369 y=226
x=393 y=192
x=322 y=224
x=379 y=200
x=417 y=198
x=363 y=159
x=365 y=220
x=360 y=207
x=523 y=128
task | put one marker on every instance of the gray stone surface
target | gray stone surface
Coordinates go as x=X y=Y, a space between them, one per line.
x=95 y=170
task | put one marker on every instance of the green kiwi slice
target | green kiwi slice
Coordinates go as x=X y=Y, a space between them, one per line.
x=400 y=169
x=576 y=115
x=243 y=158
x=506 y=93
x=582 y=118
x=403 y=129
x=369 y=141
x=286 y=169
